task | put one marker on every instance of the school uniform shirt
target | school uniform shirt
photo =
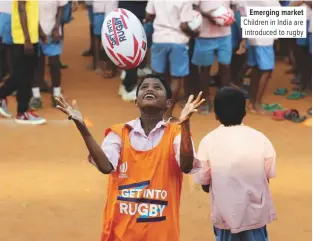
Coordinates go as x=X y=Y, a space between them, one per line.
x=237 y=163
x=6 y=6
x=168 y=17
x=144 y=188
x=98 y=6
x=48 y=13
x=208 y=29
x=262 y=3
x=32 y=11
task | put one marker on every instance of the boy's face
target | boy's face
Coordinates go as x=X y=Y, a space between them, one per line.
x=152 y=94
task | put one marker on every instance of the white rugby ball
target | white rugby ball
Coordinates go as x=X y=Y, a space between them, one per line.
x=196 y=21
x=124 y=38
x=223 y=16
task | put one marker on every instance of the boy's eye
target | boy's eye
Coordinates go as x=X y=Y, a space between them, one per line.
x=157 y=87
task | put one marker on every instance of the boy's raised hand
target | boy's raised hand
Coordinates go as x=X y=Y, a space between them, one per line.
x=71 y=110
x=190 y=107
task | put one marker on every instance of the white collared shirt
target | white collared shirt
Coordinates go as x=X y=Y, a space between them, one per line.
x=112 y=143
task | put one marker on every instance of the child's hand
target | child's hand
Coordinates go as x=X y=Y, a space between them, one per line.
x=56 y=37
x=190 y=107
x=71 y=110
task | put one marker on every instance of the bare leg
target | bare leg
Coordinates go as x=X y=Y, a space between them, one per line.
x=265 y=76
x=224 y=73
x=204 y=75
x=254 y=83
x=55 y=71
x=96 y=54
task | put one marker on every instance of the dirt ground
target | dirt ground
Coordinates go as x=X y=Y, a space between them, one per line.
x=49 y=192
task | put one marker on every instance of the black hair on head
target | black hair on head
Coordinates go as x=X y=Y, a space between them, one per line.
x=163 y=82
x=230 y=106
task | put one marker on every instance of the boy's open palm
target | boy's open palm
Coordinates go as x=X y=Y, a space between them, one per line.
x=190 y=107
x=71 y=110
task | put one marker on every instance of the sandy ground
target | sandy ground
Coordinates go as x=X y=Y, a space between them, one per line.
x=49 y=192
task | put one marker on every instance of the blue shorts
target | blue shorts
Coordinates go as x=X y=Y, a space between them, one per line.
x=5 y=28
x=67 y=13
x=259 y=234
x=262 y=57
x=51 y=49
x=148 y=27
x=98 y=20
x=206 y=49
x=236 y=31
x=90 y=14
x=176 y=55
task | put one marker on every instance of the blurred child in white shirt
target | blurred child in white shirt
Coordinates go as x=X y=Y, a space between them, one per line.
x=170 y=39
x=50 y=20
x=89 y=52
x=213 y=40
x=261 y=58
x=237 y=162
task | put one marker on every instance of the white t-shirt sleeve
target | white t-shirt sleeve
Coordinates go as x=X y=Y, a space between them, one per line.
x=203 y=177
x=176 y=144
x=269 y=159
x=111 y=146
x=150 y=7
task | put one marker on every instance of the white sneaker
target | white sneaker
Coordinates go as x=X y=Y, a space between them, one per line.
x=144 y=71
x=29 y=118
x=121 y=90
x=129 y=96
x=4 y=108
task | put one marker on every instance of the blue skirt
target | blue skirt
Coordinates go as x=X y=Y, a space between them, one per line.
x=259 y=234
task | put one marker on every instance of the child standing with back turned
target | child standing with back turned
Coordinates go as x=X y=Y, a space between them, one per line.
x=238 y=162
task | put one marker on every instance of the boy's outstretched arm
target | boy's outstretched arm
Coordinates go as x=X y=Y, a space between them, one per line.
x=98 y=156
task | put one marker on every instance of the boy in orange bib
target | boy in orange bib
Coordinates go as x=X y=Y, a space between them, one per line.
x=145 y=159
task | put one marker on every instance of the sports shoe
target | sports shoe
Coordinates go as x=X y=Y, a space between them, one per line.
x=35 y=103
x=29 y=118
x=4 y=108
x=129 y=96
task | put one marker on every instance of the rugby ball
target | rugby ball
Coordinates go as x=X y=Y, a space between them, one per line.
x=124 y=39
x=223 y=16
x=196 y=21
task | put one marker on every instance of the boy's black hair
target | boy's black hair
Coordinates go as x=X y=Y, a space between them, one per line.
x=230 y=106
x=163 y=82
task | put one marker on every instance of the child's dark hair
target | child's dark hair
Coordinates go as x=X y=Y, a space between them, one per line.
x=163 y=82
x=230 y=106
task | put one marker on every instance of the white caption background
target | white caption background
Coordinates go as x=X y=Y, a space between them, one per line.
x=274 y=22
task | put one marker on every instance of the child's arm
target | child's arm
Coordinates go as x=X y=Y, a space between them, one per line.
x=203 y=176
x=186 y=15
x=150 y=12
